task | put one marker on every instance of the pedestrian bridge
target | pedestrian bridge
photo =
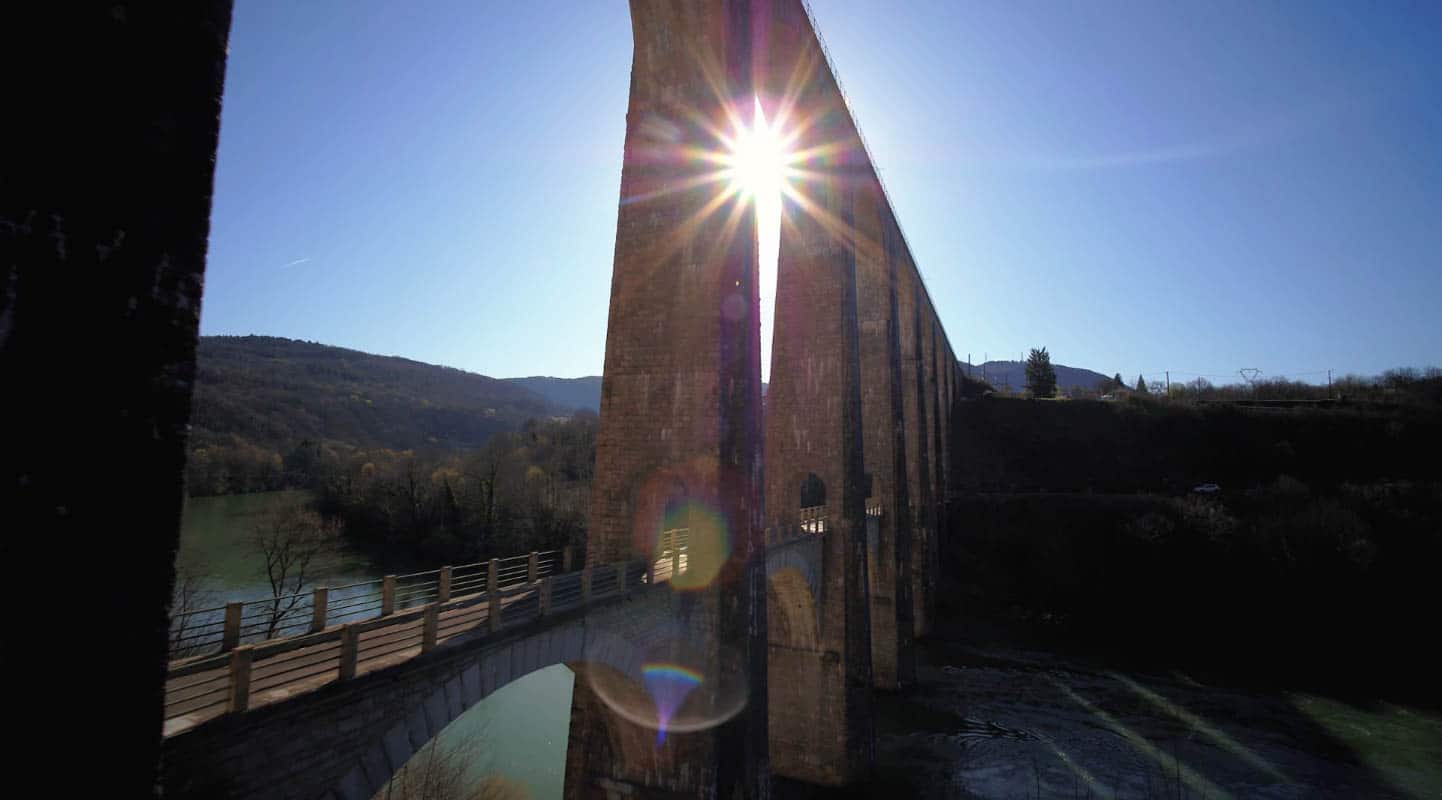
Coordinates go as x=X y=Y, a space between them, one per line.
x=328 y=693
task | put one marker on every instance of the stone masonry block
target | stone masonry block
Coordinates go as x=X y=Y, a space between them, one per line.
x=397 y=746
x=454 y=706
x=436 y=716
x=471 y=685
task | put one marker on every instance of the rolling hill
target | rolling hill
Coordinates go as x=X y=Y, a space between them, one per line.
x=568 y=393
x=1001 y=374
x=258 y=397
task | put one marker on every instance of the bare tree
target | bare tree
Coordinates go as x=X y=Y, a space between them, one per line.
x=189 y=596
x=292 y=539
x=442 y=772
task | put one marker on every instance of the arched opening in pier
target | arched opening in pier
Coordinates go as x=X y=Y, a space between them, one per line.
x=813 y=491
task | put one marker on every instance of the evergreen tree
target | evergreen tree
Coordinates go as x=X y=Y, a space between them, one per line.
x=1142 y=385
x=1117 y=382
x=1040 y=376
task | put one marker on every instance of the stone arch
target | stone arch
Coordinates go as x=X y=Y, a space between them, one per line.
x=791 y=609
x=471 y=683
x=813 y=491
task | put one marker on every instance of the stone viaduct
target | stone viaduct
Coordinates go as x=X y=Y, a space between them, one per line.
x=813 y=513
x=854 y=418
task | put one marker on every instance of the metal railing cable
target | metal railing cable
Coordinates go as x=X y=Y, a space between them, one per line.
x=870 y=158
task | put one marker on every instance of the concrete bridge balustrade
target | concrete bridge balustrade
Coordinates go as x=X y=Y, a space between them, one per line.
x=340 y=721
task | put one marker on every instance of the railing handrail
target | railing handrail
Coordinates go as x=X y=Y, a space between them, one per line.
x=203 y=686
x=214 y=625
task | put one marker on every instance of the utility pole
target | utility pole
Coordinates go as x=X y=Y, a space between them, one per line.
x=1329 y=383
x=1169 y=383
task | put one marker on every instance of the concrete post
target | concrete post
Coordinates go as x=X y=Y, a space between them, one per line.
x=230 y=636
x=388 y=595
x=319 y=603
x=443 y=593
x=586 y=585
x=240 y=659
x=566 y=556
x=533 y=564
x=545 y=596
x=349 y=650
x=430 y=625
x=493 y=594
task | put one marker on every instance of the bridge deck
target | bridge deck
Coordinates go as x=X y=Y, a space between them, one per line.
x=201 y=688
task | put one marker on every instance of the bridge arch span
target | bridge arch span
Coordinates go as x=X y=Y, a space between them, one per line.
x=346 y=739
x=372 y=768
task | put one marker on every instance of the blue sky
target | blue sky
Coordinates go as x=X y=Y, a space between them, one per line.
x=1138 y=186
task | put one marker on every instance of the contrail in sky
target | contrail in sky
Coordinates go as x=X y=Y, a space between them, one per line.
x=293 y=263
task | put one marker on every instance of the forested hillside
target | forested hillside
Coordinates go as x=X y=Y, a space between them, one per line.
x=566 y=392
x=258 y=398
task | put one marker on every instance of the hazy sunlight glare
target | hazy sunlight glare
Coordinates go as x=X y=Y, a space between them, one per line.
x=758 y=166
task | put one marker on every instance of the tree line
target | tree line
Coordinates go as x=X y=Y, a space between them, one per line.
x=520 y=491
x=1406 y=386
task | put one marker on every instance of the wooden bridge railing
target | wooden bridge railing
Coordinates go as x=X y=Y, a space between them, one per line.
x=412 y=614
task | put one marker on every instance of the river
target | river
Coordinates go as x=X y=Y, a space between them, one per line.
x=515 y=738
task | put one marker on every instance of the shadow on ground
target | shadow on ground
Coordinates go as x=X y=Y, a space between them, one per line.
x=994 y=717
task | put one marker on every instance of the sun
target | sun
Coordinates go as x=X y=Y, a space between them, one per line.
x=759 y=165
x=757 y=161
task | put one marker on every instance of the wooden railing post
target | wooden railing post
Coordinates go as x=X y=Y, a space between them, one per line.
x=493 y=594
x=545 y=593
x=566 y=560
x=621 y=578
x=586 y=585
x=443 y=593
x=533 y=564
x=349 y=650
x=388 y=595
x=430 y=625
x=319 y=602
x=230 y=636
x=240 y=659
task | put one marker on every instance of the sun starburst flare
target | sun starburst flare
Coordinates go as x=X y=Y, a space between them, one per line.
x=759 y=165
